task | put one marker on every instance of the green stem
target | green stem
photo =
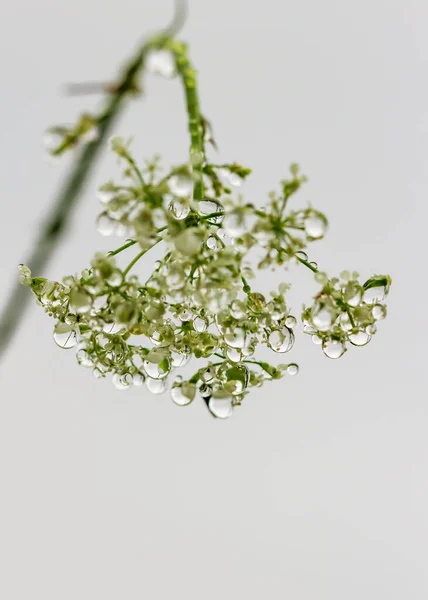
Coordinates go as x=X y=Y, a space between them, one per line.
x=128 y=244
x=58 y=216
x=307 y=264
x=246 y=287
x=137 y=258
x=188 y=77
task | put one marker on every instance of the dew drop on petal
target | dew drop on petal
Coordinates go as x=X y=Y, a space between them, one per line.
x=179 y=209
x=182 y=392
x=316 y=340
x=65 y=336
x=334 y=348
x=122 y=382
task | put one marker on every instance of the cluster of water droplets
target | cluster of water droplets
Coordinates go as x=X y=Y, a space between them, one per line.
x=346 y=311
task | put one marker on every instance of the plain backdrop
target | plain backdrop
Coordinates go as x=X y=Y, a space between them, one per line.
x=316 y=489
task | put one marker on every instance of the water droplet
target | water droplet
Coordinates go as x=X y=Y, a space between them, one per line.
x=374 y=295
x=233 y=354
x=334 y=348
x=208 y=375
x=97 y=373
x=181 y=186
x=221 y=407
x=293 y=369
x=238 y=309
x=290 y=321
x=352 y=294
x=205 y=391
x=175 y=277
x=379 y=312
x=156 y=386
x=183 y=392
x=316 y=340
x=208 y=207
x=371 y=329
x=316 y=226
x=161 y=62
x=122 y=382
x=179 y=209
x=180 y=359
x=281 y=340
x=361 y=338
x=185 y=314
x=105 y=224
x=138 y=380
x=302 y=255
x=65 y=336
x=157 y=370
x=83 y=358
x=322 y=318
x=235 y=338
x=200 y=324
x=213 y=243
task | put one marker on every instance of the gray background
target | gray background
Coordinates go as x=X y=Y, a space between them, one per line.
x=317 y=488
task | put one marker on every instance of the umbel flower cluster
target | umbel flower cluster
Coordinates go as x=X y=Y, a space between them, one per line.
x=198 y=302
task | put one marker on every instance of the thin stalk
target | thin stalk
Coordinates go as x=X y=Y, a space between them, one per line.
x=137 y=258
x=58 y=217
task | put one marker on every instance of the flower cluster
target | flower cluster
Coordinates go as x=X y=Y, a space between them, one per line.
x=198 y=302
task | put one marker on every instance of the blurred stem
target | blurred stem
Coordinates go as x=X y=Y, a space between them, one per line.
x=58 y=217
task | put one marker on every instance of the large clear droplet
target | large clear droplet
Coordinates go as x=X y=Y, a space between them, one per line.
x=316 y=226
x=322 y=319
x=234 y=355
x=156 y=386
x=334 y=348
x=379 y=312
x=281 y=340
x=179 y=359
x=291 y=321
x=105 y=224
x=235 y=338
x=181 y=186
x=221 y=407
x=361 y=338
x=374 y=295
x=179 y=209
x=208 y=207
x=157 y=370
x=200 y=324
x=65 y=336
x=122 y=382
x=161 y=62
x=183 y=392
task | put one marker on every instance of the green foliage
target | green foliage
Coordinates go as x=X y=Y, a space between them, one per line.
x=198 y=301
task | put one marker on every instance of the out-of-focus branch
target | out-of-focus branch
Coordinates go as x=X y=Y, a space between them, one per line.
x=68 y=196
